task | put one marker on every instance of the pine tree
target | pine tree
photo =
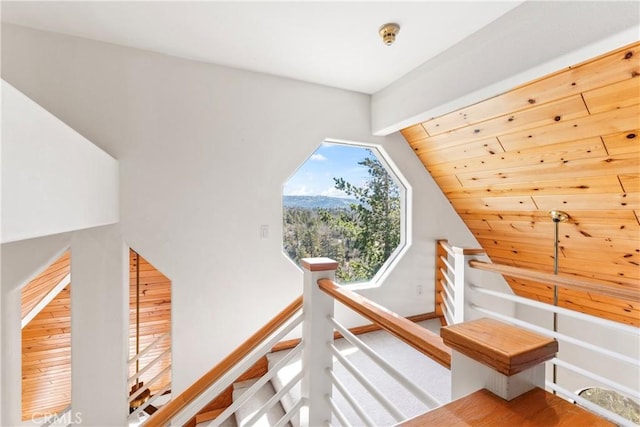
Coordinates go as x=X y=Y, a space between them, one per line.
x=372 y=226
x=360 y=238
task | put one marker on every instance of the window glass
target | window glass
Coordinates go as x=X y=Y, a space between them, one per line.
x=345 y=203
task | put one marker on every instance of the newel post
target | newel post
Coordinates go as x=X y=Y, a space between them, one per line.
x=317 y=332
x=504 y=359
x=459 y=265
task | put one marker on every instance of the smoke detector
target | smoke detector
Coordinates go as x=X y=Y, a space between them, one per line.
x=388 y=33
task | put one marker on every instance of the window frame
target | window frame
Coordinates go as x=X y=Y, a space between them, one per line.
x=405 y=209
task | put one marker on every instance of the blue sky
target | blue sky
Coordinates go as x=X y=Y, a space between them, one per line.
x=315 y=176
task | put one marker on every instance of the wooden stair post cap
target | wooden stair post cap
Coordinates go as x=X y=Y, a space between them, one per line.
x=318 y=264
x=505 y=348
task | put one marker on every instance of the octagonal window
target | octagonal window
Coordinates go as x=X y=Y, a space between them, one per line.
x=345 y=202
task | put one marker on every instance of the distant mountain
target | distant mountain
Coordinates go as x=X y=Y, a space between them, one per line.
x=314 y=202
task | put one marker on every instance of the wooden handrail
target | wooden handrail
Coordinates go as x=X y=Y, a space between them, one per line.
x=471 y=251
x=163 y=416
x=563 y=280
x=444 y=243
x=416 y=336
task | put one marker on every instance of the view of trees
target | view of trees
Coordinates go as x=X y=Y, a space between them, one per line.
x=361 y=237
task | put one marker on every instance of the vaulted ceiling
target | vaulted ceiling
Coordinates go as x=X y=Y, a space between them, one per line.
x=568 y=141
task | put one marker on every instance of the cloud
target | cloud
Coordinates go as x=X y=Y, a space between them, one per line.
x=300 y=190
x=334 y=192
x=318 y=157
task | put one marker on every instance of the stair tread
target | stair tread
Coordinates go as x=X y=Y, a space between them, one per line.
x=282 y=378
x=246 y=411
x=413 y=364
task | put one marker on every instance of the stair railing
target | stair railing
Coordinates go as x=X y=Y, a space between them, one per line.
x=582 y=354
x=140 y=375
x=317 y=404
x=321 y=293
x=180 y=409
x=450 y=280
x=251 y=391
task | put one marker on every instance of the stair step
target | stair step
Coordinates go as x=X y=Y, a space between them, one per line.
x=282 y=378
x=246 y=411
x=423 y=371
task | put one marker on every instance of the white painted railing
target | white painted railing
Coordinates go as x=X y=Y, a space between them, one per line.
x=320 y=295
x=314 y=404
x=191 y=402
x=251 y=391
x=140 y=375
x=428 y=400
x=575 y=344
x=238 y=369
x=450 y=279
x=318 y=405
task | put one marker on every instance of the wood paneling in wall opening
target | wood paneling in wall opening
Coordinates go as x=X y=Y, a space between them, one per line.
x=46 y=340
x=155 y=319
x=46 y=344
x=567 y=141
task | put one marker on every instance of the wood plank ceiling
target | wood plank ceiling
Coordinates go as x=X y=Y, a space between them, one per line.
x=155 y=319
x=44 y=283
x=46 y=344
x=568 y=141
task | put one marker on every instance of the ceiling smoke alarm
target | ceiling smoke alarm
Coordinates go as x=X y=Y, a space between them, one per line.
x=388 y=33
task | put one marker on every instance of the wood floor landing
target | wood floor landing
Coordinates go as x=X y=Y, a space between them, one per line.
x=534 y=408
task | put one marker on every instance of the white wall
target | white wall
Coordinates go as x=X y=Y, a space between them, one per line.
x=204 y=151
x=99 y=314
x=53 y=179
x=530 y=41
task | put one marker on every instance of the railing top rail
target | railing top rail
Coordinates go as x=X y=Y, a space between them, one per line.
x=416 y=336
x=468 y=251
x=168 y=411
x=564 y=280
x=451 y=250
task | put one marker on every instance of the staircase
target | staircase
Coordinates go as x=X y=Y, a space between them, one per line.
x=350 y=381
x=423 y=370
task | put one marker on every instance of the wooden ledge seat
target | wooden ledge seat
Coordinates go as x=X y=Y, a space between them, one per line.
x=503 y=347
x=532 y=409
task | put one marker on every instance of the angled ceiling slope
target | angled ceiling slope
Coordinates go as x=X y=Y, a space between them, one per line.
x=567 y=141
x=534 y=39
